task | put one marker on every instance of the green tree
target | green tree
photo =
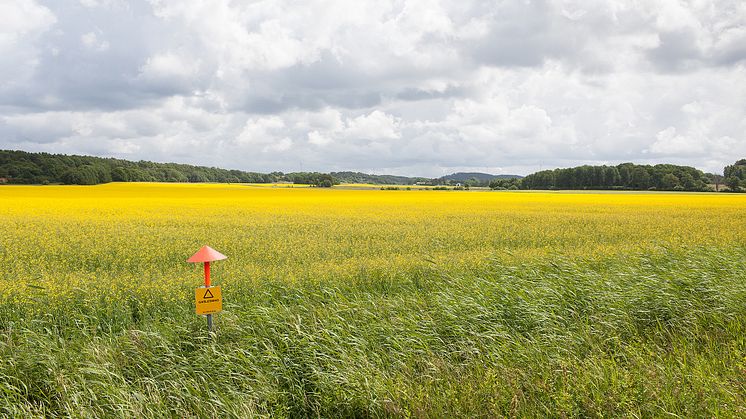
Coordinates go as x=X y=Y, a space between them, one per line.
x=687 y=181
x=324 y=180
x=103 y=173
x=472 y=182
x=83 y=175
x=669 y=182
x=511 y=183
x=120 y=174
x=198 y=177
x=640 y=178
x=625 y=173
x=173 y=175
x=611 y=177
x=733 y=183
x=737 y=170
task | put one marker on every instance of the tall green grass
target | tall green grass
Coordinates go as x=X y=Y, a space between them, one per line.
x=648 y=335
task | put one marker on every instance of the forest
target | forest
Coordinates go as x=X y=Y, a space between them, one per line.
x=629 y=176
x=22 y=167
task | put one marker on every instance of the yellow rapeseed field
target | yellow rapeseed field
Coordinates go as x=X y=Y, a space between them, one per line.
x=124 y=238
x=353 y=302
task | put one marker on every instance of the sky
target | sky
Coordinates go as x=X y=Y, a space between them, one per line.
x=418 y=88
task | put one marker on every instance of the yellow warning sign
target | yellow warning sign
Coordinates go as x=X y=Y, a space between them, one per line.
x=208 y=300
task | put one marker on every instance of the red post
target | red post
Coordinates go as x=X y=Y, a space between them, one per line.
x=206 y=254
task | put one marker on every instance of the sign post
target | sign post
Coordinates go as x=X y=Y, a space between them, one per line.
x=208 y=300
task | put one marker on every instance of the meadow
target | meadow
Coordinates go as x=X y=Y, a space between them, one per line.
x=371 y=303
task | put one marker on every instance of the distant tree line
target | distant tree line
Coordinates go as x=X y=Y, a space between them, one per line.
x=629 y=176
x=41 y=168
x=506 y=183
x=44 y=168
x=357 y=177
x=323 y=180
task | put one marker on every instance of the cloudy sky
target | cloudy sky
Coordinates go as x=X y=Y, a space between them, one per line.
x=420 y=87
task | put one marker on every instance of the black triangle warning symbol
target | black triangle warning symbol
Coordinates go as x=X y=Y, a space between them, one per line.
x=208 y=294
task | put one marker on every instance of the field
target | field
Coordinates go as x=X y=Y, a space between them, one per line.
x=371 y=303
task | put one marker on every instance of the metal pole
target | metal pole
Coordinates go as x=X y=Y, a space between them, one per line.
x=207 y=285
x=207 y=274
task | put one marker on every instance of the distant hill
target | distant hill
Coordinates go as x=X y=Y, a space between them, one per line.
x=482 y=178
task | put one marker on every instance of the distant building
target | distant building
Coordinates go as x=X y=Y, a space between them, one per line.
x=3 y=180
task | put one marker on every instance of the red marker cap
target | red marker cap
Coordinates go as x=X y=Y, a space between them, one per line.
x=206 y=254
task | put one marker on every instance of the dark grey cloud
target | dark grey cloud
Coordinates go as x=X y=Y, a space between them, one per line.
x=416 y=94
x=677 y=51
x=523 y=34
